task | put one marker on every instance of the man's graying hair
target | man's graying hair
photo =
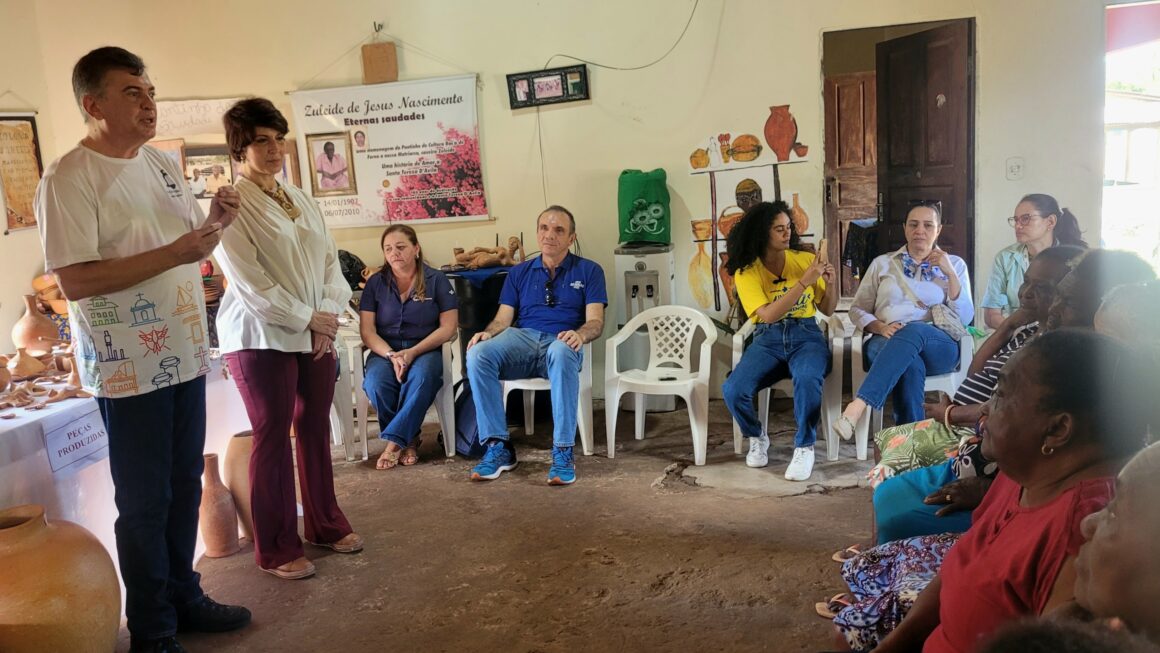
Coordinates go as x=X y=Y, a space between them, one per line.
x=88 y=75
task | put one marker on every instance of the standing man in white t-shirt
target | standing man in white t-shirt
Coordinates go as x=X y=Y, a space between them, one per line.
x=124 y=236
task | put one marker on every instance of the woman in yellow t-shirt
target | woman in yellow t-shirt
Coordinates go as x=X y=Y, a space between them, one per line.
x=783 y=287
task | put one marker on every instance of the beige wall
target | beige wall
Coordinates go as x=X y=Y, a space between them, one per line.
x=20 y=255
x=1039 y=80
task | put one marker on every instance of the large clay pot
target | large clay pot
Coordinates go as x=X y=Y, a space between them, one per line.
x=219 y=518
x=60 y=589
x=237 y=473
x=25 y=364
x=34 y=331
x=5 y=378
x=781 y=131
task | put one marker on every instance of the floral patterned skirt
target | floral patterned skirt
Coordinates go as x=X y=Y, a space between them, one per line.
x=885 y=582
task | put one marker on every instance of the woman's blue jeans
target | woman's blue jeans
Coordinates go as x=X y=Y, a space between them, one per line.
x=402 y=406
x=901 y=363
x=792 y=347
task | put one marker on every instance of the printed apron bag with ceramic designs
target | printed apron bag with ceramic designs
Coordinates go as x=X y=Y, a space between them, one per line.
x=643 y=203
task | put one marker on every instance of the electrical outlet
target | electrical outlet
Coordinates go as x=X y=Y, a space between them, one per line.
x=1015 y=166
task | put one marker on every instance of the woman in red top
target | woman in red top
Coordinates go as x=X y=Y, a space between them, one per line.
x=1079 y=412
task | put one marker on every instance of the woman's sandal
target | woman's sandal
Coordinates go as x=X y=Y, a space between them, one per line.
x=289 y=571
x=829 y=609
x=350 y=543
x=410 y=455
x=848 y=553
x=389 y=458
x=843 y=427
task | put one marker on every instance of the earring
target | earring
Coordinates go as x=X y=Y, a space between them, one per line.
x=1046 y=450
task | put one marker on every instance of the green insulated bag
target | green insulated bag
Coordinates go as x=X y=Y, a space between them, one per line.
x=643 y=203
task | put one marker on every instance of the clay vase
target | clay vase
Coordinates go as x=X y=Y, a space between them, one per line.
x=25 y=364
x=219 y=519
x=237 y=473
x=60 y=587
x=34 y=331
x=801 y=219
x=781 y=131
x=5 y=378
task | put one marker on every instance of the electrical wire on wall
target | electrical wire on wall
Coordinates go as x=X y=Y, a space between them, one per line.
x=540 y=131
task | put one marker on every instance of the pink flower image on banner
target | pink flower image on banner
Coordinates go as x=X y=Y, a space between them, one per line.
x=455 y=188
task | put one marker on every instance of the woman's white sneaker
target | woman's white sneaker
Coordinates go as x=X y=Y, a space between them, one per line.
x=802 y=464
x=758 y=451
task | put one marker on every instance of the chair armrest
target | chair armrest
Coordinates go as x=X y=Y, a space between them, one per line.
x=704 y=367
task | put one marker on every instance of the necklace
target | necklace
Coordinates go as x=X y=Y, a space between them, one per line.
x=279 y=195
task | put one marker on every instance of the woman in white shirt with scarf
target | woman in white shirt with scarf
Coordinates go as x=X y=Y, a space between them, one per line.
x=277 y=326
x=905 y=345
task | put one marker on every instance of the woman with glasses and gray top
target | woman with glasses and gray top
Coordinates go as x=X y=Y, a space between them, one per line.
x=1039 y=223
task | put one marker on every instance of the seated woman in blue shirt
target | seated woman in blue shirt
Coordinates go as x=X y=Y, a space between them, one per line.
x=408 y=310
x=1039 y=223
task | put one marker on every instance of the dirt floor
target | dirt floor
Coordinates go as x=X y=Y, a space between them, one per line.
x=638 y=555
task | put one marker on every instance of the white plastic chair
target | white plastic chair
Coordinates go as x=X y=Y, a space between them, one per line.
x=871 y=421
x=444 y=403
x=831 y=387
x=671 y=330
x=584 y=400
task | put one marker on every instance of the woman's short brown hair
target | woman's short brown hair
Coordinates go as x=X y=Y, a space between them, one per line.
x=243 y=120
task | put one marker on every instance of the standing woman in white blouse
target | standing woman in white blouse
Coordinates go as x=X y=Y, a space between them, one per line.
x=905 y=345
x=277 y=326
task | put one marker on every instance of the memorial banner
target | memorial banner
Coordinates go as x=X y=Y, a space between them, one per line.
x=403 y=151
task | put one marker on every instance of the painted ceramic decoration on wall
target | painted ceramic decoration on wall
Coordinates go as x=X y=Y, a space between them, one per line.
x=61 y=591
x=701 y=266
x=781 y=131
x=745 y=148
x=797 y=214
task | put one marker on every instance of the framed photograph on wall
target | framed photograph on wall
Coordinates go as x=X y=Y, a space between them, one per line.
x=537 y=87
x=20 y=168
x=174 y=148
x=330 y=155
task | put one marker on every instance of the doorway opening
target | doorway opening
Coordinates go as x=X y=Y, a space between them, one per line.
x=899 y=128
x=1132 y=131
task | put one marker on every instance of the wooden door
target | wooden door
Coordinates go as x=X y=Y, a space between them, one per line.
x=851 y=161
x=926 y=113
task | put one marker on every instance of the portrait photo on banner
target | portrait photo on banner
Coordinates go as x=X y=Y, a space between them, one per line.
x=330 y=155
x=20 y=168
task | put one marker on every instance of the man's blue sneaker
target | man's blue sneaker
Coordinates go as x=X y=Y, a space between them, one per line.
x=496 y=460
x=563 y=470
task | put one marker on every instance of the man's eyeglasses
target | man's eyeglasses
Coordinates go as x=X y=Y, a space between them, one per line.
x=1022 y=220
x=549 y=293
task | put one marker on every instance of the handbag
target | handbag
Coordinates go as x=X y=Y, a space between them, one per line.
x=945 y=316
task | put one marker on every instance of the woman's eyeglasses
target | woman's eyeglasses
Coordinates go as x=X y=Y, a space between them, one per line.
x=1022 y=220
x=549 y=293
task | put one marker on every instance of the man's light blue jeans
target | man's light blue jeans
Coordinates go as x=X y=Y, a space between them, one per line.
x=521 y=354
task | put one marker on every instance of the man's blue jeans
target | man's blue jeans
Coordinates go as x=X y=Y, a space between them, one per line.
x=792 y=347
x=901 y=363
x=522 y=354
x=156 y=442
x=402 y=406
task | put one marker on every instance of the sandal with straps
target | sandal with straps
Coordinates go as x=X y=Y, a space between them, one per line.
x=410 y=455
x=829 y=609
x=389 y=458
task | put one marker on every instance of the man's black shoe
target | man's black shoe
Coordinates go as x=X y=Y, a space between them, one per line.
x=159 y=645
x=209 y=616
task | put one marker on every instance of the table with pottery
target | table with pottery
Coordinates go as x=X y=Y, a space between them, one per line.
x=53 y=447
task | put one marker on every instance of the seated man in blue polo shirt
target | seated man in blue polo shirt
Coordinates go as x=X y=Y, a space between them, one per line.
x=548 y=308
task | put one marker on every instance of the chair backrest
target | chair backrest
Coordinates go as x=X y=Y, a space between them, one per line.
x=671 y=330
